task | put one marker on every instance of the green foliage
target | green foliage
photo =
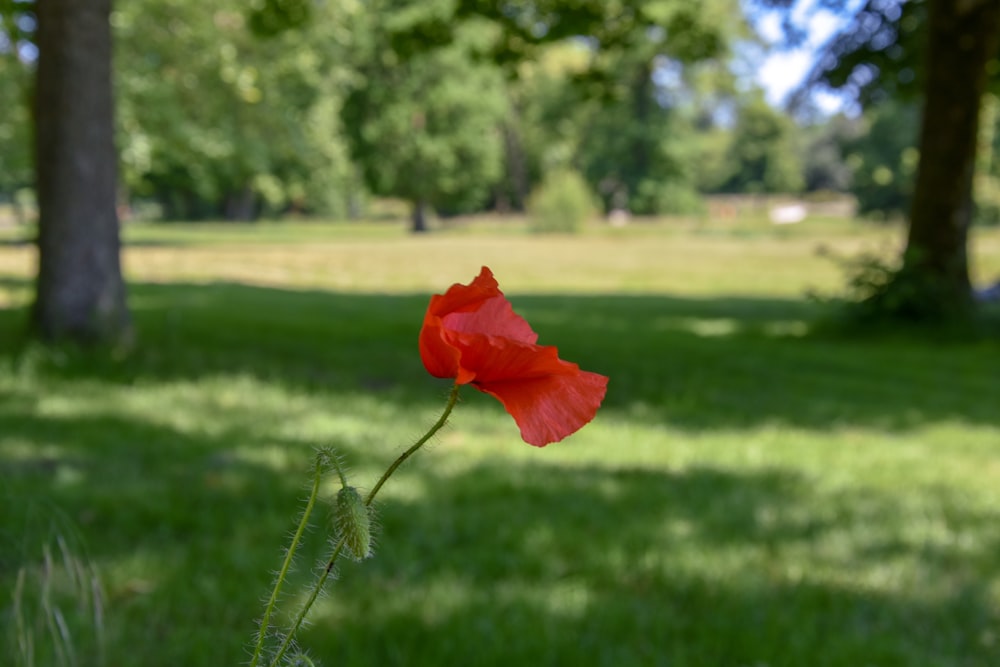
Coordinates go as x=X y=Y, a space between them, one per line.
x=546 y=119
x=594 y=103
x=712 y=170
x=668 y=198
x=214 y=121
x=633 y=148
x=986 y=186
x=696 y=30
x=884 y=160
x=15 y=129
x=879 y=56
x=763 y=155
x=234 y=111
x=987 y=192
x=269 y=18
x=825 y=144
x=562 y=203
x=633 y=142
x=428 y=130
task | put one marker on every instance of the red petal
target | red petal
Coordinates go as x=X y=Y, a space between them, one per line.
x=548 y=398
x=497 y=359
x=471 y=333
x=480 y=308
x=549 y=408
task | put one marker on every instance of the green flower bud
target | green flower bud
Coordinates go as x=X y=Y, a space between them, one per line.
x=353 y=521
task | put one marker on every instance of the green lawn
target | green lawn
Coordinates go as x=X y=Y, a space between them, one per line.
x=748 y=495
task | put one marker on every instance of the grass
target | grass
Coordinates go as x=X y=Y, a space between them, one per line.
x=748 y=495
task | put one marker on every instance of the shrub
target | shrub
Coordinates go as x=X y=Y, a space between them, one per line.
x=562 y=203
x=669 y=198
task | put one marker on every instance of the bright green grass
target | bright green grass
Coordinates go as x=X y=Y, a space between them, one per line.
x=747 y=496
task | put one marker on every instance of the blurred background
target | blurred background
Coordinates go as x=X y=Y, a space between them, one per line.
x=292 y=107
x=774 y=224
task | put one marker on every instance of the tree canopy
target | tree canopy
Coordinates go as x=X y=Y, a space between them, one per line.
x=428 y=130
x=230 y=111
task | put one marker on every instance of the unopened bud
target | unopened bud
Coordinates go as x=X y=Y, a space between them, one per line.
x=353 y=521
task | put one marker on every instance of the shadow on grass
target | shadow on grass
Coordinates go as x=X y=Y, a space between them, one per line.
x=29 y=239
x=698 y=364
x=519 y=563
x=185 y=530
x=508 y=563
x=705 y=567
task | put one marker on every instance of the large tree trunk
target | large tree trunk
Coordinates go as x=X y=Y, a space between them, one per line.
x=80 y=291
x=962 y=37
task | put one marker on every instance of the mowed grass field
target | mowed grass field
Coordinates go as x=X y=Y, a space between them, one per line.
x=750 y=494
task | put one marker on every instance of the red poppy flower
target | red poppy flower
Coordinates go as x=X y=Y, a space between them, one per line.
x=472 y=334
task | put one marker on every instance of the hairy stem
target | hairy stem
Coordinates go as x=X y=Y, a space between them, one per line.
x=339 y=547
x=452 y=399
x=303 y=522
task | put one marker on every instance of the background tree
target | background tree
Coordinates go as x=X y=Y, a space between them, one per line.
x=763 y=154
x=884 y=160
x=80 y=291
x=545 y=119
x=627 y=135
x=825 y=145
x=217 y=121
x=987 y=178
x=15 y=122
x=635 y=145
x=428 y=130
x=943 y=48
x=962 y=38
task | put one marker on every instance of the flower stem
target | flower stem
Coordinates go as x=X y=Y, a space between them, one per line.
x=318 y=586
x=303 y=522
x=452 y=399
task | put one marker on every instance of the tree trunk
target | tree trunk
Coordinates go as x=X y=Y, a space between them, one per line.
x=419 y=217
x=962 y=37
x=241 y=205
x=517 y=168
x=80 y=291
x=642 y=106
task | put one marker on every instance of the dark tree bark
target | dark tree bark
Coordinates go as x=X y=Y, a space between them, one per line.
x=241 y=205
x=642 y=107
x=80 y=291
x=962 y=37
x=516 y=164
x=419 y=217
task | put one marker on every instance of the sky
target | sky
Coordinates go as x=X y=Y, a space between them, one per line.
x=783 y=70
